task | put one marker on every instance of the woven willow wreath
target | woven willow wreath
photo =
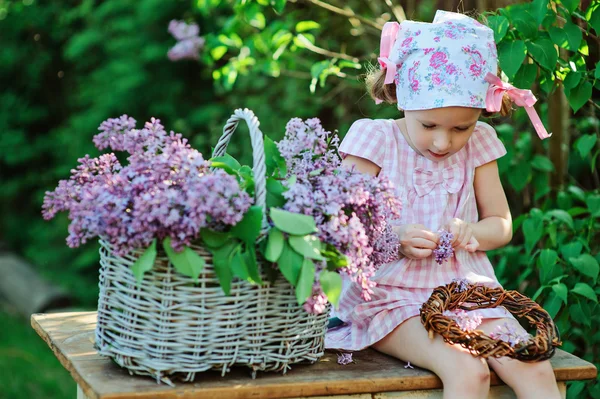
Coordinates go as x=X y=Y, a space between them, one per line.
x=453 y=295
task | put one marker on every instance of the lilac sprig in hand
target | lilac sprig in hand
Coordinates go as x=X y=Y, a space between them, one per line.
x=444 y=250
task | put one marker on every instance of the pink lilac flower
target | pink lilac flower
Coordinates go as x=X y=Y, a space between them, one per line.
x=444 y=250
x=350 y=208
x=344 y=358
x=463 y=284
x=508 y=333
x=467 y=321
x=188 y=42
x=166 y=190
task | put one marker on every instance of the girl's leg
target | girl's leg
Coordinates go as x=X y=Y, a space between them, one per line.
x=528 y=380
x=463 y=375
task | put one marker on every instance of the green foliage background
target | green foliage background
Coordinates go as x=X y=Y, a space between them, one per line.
x=67 y=66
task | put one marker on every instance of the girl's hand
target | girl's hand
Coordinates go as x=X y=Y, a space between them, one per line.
x=463 y=235
x=416 y=242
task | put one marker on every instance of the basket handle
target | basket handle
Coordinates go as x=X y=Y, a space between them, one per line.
x=258 y=154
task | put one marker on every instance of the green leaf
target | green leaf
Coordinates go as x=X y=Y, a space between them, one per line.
x=249 y=256
x=306 y=281
x=273 y=158
x=561 y=291
x=238 y=264
x=526 y=75
x=587 y=265
x=597 y=71
x=520 y=176
x=309 y=246
x=538 y=10
x=499 y=25
x=593 y=203
x=543 y=51
x=331 y=283
x=275 y=242
x=511 y=55
x=586 y=291
x=585 y=144
x=570 y=5
x=572 y=80
x=222 y=259
x=577 y=193
x=290 y=264
x=275 y=190
x=248 y=229
x=543 y=163
x=578 y=314
x=525 y=23
x=562 y=216
x=547 y=264
x=278 y=5
x=293 y=223
x=218 y=52
x=303 y=26
x=553 y=304
x=533 y=230
x=145 y=262
x=571 y=250
x=226 y=162
x=579 y=95
x=186 y=262
x=568 y=37
x=214 y=239
x=594 y=17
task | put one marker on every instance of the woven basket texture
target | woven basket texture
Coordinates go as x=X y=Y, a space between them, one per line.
x=170 y=325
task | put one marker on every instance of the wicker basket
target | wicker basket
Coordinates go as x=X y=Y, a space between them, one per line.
x=170 y=326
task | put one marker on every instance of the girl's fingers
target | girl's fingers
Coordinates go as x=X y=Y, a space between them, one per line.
x=423 y=243
x=420 y=253
x=464 y=241
x=427 y=235
x=473 y=245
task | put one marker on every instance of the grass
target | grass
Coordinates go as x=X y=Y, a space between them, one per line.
x=28 y=368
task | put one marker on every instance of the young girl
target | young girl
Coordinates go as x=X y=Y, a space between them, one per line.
x=443 y=162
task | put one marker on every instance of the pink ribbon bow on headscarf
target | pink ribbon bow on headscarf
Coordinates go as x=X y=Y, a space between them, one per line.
x=451 y=178
x=388 y=37
x=521 y=97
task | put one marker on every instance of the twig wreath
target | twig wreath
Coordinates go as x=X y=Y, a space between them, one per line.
x=455 y=296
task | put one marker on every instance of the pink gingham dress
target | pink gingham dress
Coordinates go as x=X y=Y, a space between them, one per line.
x=432 y=193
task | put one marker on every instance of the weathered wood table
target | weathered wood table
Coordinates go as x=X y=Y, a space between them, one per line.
x=372 y=376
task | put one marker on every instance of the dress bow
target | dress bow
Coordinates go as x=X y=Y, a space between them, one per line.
x=521 y=97
x=451 y=178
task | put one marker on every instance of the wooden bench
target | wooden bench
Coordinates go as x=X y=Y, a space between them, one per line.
x=372 y=376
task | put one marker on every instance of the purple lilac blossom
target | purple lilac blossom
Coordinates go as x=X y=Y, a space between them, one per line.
x=463 y=284
x=510 y=334
x=166 y=190
x=467 y=321
x=188 y=42
x=344 y=358
x=351 y=209
x=444 y=250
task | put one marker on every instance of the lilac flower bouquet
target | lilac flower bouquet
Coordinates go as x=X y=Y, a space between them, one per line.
x=323 y=220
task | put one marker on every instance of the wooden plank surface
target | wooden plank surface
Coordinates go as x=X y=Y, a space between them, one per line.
x=71 y=337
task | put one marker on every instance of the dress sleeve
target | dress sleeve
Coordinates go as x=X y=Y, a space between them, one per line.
x=366 y=139
x=485 y=146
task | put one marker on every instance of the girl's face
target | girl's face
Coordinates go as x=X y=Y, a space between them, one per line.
x=441 y=132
